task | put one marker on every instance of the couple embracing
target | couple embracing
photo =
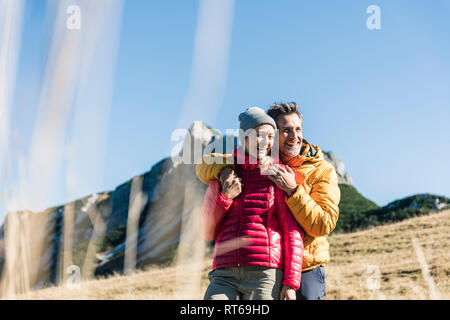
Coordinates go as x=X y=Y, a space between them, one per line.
x=269 y=215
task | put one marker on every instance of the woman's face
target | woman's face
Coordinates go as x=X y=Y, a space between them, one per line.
x=259 y=142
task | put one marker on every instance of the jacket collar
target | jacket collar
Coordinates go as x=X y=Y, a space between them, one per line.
x=308 y=153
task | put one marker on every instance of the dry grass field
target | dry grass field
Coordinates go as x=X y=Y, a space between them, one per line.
x=388 y=252
x=379 y=263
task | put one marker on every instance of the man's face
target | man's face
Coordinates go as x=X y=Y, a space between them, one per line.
x=290 y=136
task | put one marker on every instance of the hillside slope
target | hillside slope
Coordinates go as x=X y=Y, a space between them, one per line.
x=359 y=213
x=379 y=263
x=352 y=205
x=388 y=251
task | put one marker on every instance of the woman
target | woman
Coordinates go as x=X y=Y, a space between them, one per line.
x=259 y=246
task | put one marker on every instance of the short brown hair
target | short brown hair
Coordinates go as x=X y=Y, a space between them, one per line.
x=278 y=109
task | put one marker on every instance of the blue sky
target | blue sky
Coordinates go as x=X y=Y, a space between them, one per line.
x=379 y=99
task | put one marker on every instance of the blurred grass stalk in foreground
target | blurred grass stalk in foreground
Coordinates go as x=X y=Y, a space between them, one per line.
x=66 y=148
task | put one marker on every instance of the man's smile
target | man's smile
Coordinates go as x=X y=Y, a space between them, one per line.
x=292 y=144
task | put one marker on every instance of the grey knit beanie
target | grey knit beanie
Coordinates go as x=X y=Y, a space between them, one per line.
x=253 y=117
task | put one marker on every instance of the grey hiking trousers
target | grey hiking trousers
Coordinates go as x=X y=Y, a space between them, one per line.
x=244 y=283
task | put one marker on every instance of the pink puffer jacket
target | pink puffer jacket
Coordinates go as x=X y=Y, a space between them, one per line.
x=255 y=228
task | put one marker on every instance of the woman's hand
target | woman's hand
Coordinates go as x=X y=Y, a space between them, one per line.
x=287 y=293
x=283 y=178
x=231 y=184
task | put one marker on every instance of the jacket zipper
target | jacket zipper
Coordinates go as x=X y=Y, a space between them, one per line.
x=269 y=223
x=239 y=222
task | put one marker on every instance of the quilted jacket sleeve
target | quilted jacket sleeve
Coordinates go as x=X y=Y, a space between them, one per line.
x=318 y=211
x=292 y=242
x=215 y=206
x=211 y=165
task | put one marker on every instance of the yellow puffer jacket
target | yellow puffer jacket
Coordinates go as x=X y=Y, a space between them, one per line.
x=314 y=204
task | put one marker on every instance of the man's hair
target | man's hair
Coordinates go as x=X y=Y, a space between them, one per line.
x=278 y=109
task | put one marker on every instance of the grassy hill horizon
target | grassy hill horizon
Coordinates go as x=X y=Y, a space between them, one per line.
x=359 y=213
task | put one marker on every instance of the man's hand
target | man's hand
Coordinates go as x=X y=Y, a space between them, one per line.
x=226 y=173
x=283 y=178
x=231 y=183
x=287 y=293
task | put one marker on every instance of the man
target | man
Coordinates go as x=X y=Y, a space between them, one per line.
x=312 y=193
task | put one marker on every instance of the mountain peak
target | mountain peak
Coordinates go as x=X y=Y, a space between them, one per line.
x=343 y=176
